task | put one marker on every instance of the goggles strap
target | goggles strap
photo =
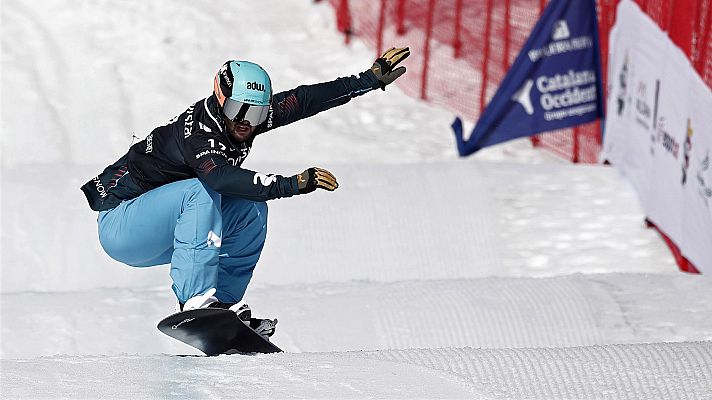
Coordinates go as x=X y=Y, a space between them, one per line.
x=241 y=114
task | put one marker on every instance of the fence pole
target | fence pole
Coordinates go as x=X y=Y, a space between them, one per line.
x=576 y=145
x=697 y=31
x=457 y=40
x=603 y=28
x=703 y=43
x=643 y=6
x=681 y=28
x=343 y=20
x=381 y=24
x=666 y=17
x=426 y=50
x=485 y=57
x=535 y=138
x=507 y=24
x=400 y=17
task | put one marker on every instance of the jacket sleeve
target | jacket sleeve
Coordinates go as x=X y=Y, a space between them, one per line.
x=206 y=154
x=307 y=100
x=238 y=182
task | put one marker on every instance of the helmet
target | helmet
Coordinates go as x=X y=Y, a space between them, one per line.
x=244 y=91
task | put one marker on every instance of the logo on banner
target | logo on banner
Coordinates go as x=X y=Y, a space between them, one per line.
x=687 y=147
x=524 y=96
x=704 y=180
x=622 y=85
x=656 y=103
x=562 y=43
x=667 y=141
x=562 y=95
x=643 y=111
x=567 y=95
x=561 y=30
x=554 y=82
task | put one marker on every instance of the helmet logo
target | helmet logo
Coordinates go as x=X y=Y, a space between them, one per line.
x=256 y=86
x=226 y=75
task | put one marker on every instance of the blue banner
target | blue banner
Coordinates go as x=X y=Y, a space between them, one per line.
x=554 y=83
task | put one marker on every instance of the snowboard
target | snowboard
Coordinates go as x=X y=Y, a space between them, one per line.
x=215 y=331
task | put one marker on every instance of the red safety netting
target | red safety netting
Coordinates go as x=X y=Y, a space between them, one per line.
x=461 y=49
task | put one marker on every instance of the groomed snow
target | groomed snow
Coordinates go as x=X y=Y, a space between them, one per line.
x=510 y=274
x=655 y=371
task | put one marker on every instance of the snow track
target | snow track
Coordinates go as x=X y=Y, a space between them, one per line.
x=656 y=371
x=653 y=371
x=565 y=311
x=385 y=223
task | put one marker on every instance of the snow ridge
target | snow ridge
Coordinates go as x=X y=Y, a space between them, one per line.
x=635 y=371
x=655 y=371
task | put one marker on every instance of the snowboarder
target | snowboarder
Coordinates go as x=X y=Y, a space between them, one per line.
x=180 y=196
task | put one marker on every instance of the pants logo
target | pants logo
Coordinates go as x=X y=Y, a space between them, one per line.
x=214 y=240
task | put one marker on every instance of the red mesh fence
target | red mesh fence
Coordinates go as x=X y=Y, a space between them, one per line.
x=461 y=49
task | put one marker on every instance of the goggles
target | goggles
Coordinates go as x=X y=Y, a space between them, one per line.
x=238 y=111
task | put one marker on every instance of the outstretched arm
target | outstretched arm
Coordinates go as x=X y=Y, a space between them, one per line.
x=206 y=156
x=238 y=182
x=308 y=100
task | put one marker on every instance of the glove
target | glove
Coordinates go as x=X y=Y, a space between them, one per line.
x=383 y=67
x=313 y=178
x=263 y=327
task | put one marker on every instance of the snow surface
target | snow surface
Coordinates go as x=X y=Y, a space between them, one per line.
x=509 y=274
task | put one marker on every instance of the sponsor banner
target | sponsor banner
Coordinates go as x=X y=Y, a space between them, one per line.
x=659 y=131
x=697 y=186
x=554 y=82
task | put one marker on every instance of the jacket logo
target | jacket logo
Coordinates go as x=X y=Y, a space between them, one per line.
x=188 y=127
x=149 y=143
x=266 y=180
x=100 y=188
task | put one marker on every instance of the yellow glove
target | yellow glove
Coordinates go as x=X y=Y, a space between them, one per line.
x=383 y=66
x=316 y=178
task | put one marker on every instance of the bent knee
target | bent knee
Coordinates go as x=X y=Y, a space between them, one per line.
x=198 y=192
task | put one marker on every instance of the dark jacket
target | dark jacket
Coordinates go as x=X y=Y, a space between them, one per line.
x=196 y=144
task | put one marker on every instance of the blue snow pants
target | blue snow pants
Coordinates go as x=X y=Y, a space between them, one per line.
x=211 y=241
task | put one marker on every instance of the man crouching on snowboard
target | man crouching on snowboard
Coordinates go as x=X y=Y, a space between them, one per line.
x=180 y=196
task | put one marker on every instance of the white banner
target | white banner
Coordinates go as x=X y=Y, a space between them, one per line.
x=658 y=131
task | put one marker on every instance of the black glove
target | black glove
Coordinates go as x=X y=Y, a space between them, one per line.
x=263 y=327
x=313 y=178
x=383 y=67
